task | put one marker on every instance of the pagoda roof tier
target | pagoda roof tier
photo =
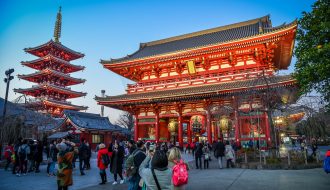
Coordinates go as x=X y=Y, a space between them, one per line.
x=48 y=47
x=37 y=77
x=202 y=91
x=57 y=104
x=47 y=88
x=204 y=42
x=39 y=63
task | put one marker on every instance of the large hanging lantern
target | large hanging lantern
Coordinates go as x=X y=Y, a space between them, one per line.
x=223 y=123
x=196 y=123
x=172 y=126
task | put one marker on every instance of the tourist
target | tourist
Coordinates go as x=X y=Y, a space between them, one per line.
x=174 y=158
x=83 y=155
x=326 y=162
x=23 y=151
x=193 y=147
x=157 y=176
x=117 y=159
x=15 y=157
x=230 y=154
x=133 y=163
x=314 y=148
x=198 y=155
x=131 y=146
x=38 y=155
x=64 y=160
x=103 y=162
x=250 y=144
x=188 y=148
x=89 y=155
x=219 y=152
x=31 y=156
x=206 y=156
x=52 y=159
x=9 y=151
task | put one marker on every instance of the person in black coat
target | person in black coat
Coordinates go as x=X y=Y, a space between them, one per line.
x=83 y=155
x=117 y=159
x=38 y=155
x=89 y=155
x=219 y=152
x=198 y=155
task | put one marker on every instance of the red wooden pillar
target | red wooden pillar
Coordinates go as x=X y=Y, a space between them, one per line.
x=180 y=130
x=215 y=131
x=208 y=126
x=136 y=127
x=189 y=132
x=178 y=108
x=267 y=128
x=157 y=126
x=236 y=127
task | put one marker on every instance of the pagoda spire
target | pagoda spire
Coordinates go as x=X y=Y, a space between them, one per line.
x=58 y=24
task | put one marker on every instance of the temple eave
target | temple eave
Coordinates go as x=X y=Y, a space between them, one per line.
x=127 y=99
x=130 y=59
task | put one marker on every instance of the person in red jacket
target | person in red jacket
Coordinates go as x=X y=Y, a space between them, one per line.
x=9 y=151
x=103 y=161
x=327 y=154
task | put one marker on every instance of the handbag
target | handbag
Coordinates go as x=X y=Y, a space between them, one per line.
x=155 y=178
x=207 y=156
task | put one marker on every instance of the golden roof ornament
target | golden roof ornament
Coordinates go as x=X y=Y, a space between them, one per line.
x=58 y=25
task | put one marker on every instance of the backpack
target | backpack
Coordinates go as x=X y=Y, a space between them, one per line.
x=22 y=153
x=130 y=167
x=180 y=173
x=105 y=159
x=326 y=165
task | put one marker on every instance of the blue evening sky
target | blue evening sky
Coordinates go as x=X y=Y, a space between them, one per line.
x=104 y=29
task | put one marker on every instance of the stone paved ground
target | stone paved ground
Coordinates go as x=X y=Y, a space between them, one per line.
x=198 y=179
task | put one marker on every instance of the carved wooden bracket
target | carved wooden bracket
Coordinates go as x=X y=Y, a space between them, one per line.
x=178 y=107
x=207 y=103
x=155 y=108
x=133 y=110
x=232 y=58
x=179 y=67
x=157 y=70
x=205 y=63
x=137 y=74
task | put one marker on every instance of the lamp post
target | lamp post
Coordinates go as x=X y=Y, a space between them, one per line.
x=7 y=80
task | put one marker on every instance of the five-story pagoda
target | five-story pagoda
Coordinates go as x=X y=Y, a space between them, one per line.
x=53 y=76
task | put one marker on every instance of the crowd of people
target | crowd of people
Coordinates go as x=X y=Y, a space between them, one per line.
x=143 y=165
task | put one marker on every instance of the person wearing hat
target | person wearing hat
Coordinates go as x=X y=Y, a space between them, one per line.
x=103 y=162
x=64 y=160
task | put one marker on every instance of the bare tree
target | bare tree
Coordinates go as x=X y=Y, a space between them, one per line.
x=126 y=120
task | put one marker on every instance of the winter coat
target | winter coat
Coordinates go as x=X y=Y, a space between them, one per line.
x=199 y=151
x=9 y=150
x=219 y=150
x=26 y=148
x=117 y=160
x=38 y=153
x=64 y=172
x=230 y=154
x=100 y=164
x=164 y=177
x=83 y=151
x=89 y=151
